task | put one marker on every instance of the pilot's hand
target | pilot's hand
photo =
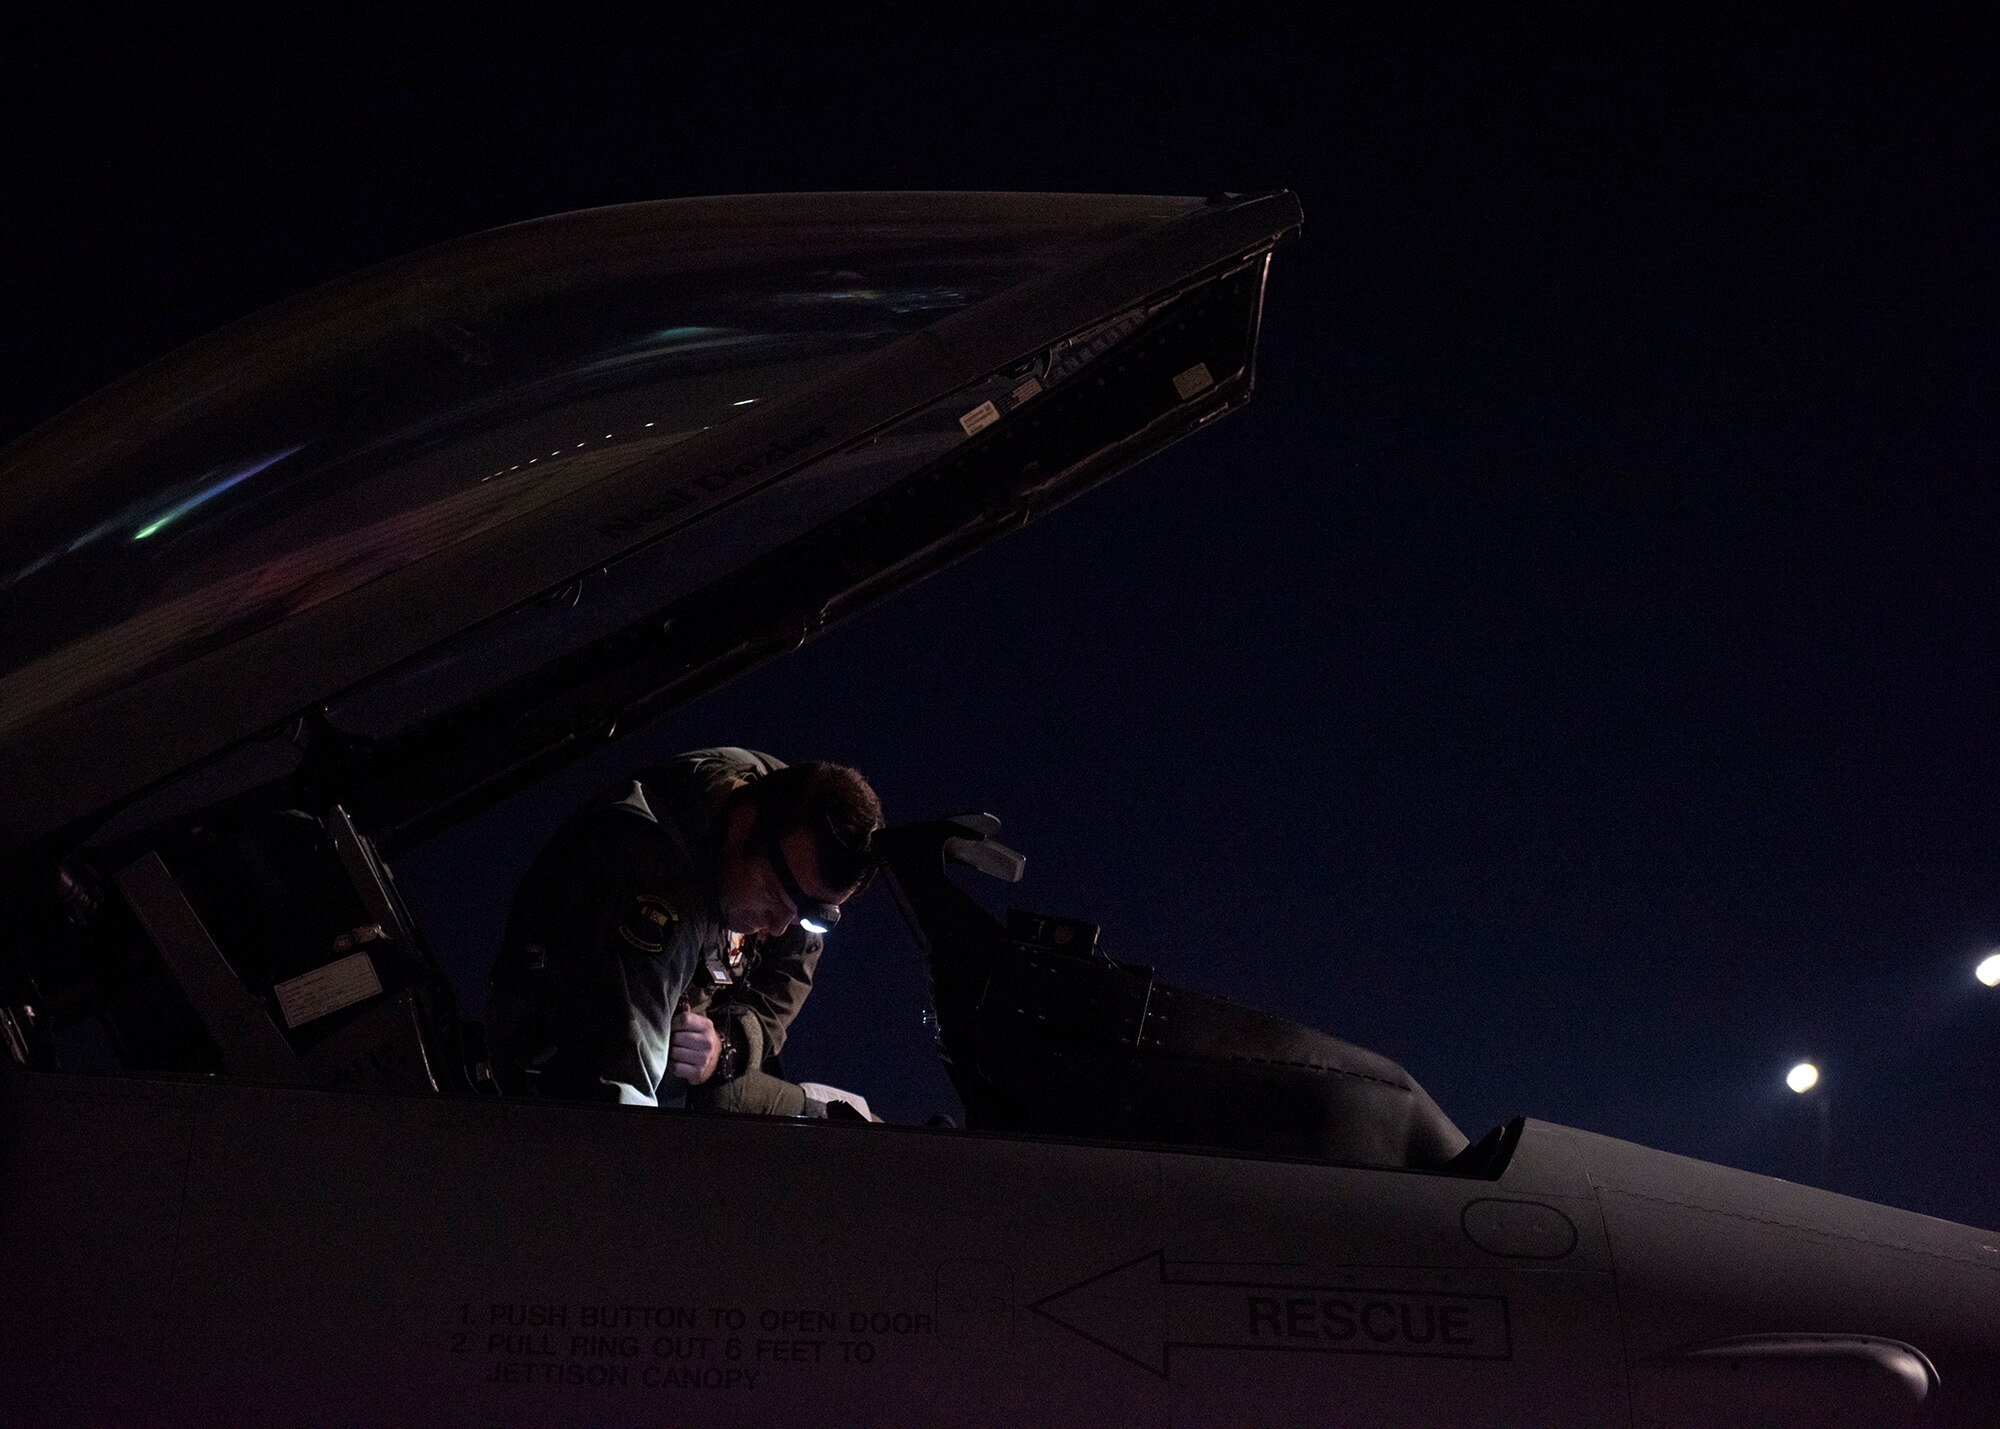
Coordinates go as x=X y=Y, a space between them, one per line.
x=693 y=1047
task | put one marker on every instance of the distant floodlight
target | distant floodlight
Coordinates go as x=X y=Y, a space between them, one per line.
x=1988 y=970
x=1802 y=1078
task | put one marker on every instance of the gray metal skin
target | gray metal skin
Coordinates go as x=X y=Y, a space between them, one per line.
x=215 y=1254
x=215 y=1250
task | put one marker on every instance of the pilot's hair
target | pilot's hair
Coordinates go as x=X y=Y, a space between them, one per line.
x=831 y=800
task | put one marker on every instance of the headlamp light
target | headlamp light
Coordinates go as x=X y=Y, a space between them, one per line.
x=814 y=916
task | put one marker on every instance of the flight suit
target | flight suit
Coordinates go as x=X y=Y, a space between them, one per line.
x=615 y=924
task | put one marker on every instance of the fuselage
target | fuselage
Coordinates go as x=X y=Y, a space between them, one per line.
x=200 y=1252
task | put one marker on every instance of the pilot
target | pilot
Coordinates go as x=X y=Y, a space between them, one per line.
x=662 y=942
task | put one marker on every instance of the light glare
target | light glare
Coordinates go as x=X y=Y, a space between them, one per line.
x=1988 y=970
x=175 y=512
x=1802 y=1078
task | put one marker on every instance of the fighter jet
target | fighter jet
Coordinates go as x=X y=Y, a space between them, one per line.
x=338 y=576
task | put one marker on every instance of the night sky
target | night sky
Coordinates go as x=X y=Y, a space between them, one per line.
x=1572 y=676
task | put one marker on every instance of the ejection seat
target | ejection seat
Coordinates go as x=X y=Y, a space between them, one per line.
x=1043 y=1033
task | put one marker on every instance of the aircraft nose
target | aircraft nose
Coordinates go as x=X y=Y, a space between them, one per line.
x=1740 y=1289
x=1967 y=1351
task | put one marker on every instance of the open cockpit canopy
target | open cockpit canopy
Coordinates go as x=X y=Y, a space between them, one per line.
x=419 y=534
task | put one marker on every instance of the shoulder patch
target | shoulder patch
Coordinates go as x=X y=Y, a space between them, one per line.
x=647 y=922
